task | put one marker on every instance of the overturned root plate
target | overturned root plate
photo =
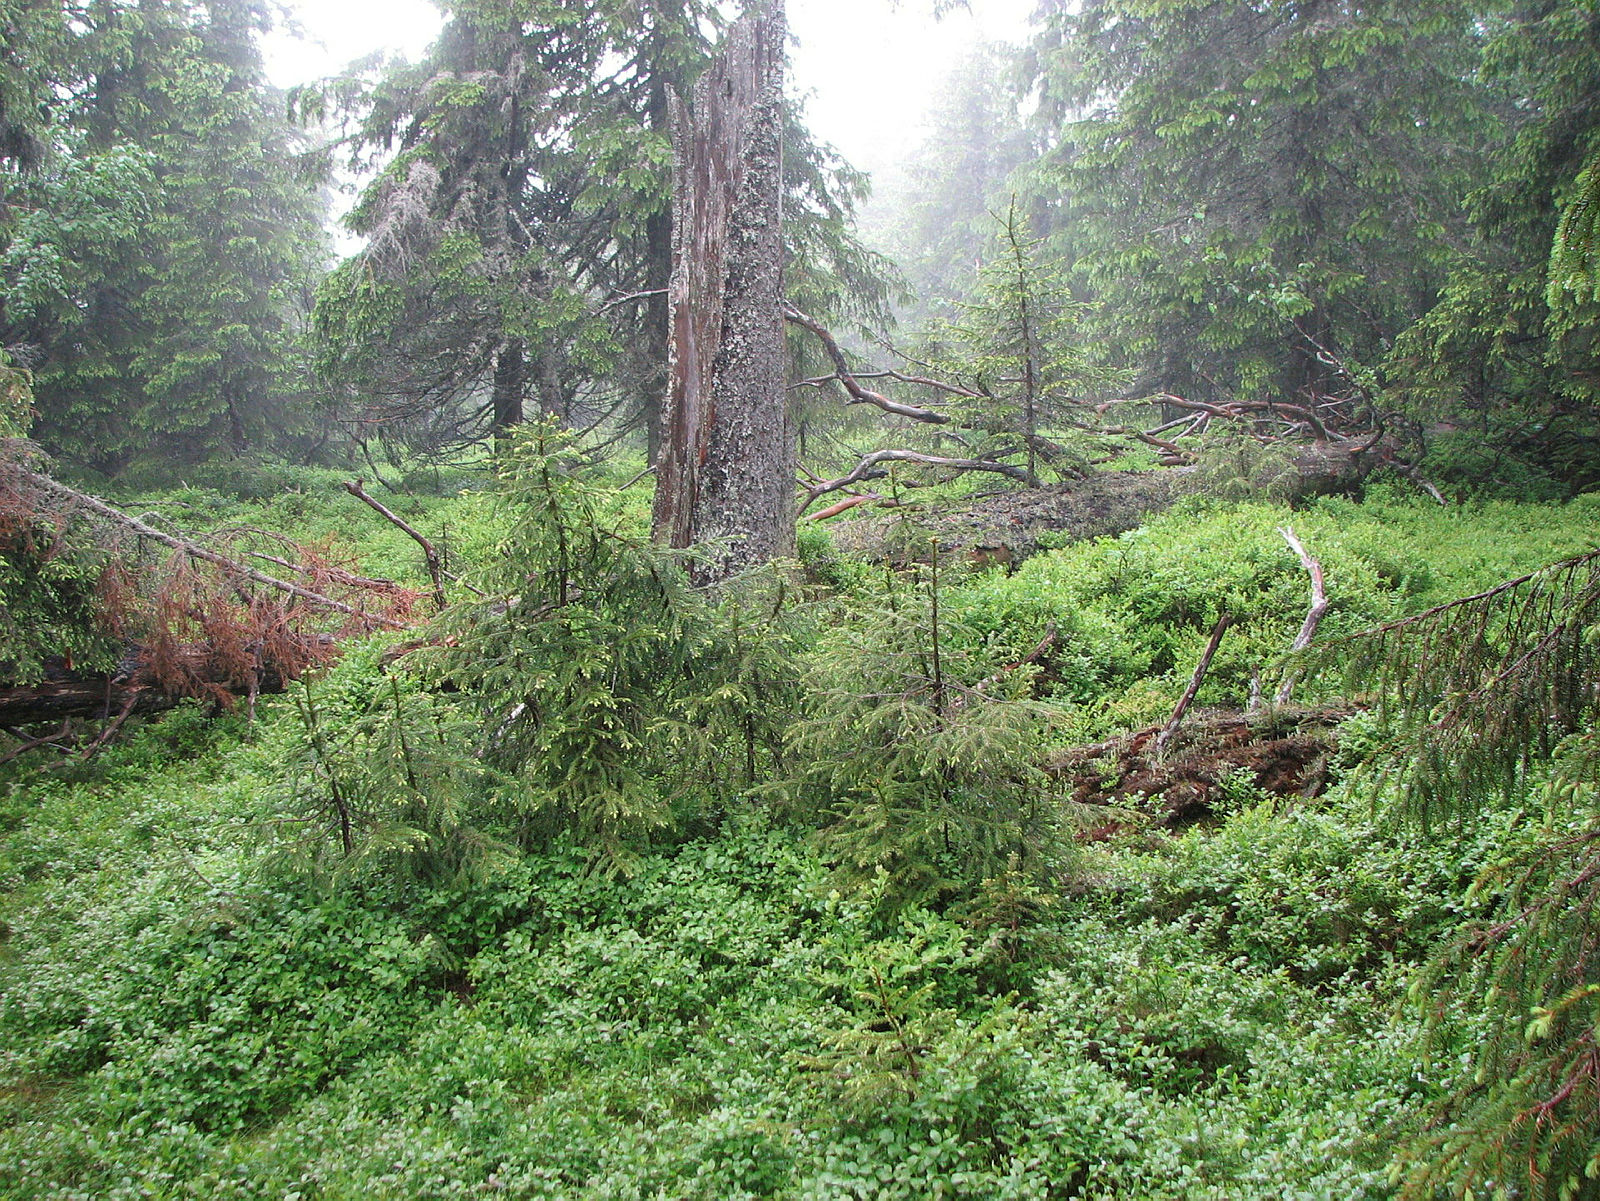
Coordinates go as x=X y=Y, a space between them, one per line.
x=1286 y=753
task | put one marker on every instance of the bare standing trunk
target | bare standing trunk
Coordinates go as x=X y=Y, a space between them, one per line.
x=726 y=469
x=657 y=279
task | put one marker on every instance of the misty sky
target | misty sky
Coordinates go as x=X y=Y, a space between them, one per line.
x=868 y=68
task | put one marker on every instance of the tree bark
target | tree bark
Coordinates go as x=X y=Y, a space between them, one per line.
x=510 y=382
x=727 y=460
x=657 y=280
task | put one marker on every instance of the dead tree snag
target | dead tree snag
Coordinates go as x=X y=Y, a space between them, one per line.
x=726 y=469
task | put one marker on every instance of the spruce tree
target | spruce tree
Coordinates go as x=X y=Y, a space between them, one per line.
x=1257 y=189
x=156 y=266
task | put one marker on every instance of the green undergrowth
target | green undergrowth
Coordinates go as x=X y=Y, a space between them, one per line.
x=1214 y=1016
x=1128 y=617
x=760 y=897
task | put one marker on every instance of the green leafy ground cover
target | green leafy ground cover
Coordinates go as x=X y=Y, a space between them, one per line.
x=201 y=994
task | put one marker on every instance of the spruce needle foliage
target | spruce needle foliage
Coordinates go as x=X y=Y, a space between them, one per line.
x=924 y=755
x=1525 y=982
x=383 y=788
x=1493 y=698
x=620 y=696
x=1575 y=258
x=1483 y=686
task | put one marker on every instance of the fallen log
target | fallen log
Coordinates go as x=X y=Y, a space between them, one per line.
x=134 y=685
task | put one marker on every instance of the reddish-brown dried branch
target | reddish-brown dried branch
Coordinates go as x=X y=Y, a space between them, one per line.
x=71 y=497
x=843 y=506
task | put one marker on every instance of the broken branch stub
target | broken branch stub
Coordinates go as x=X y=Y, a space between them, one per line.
x=727 y=458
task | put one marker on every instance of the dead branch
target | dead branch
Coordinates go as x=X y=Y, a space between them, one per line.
x=430 y=553
x=634 y=480
x=1032 y=656
x=870 y=464
x=1319 y=606
x=1171 y=728
x=32 y=744
x=1319 y=596
x=115 y=724
x=194 y=550
x=346 y=578
x=618 y=301
x=859 y=393
x=1411 y=473
x=922 y=381
x=842 y=506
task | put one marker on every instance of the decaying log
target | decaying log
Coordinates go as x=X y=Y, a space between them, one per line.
x=199 y=622
x=727 y=457
x=132 y=687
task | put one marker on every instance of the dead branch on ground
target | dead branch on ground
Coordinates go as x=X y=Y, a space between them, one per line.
x=1170 y=730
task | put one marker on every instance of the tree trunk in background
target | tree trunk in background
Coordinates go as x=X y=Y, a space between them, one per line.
x=657 y=279
x=726 y=470
x=510 y=378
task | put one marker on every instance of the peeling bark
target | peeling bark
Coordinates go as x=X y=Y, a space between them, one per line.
x=726 y=467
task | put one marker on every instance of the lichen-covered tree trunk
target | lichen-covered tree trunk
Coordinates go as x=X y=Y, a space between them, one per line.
x=726 y=470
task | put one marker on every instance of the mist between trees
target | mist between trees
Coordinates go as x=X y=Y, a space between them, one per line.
x=669 y=673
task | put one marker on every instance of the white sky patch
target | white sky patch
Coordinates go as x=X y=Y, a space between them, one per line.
x=868 y=69
x=335 y=32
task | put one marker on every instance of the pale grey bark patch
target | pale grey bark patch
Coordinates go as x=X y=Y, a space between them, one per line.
x=726 y=469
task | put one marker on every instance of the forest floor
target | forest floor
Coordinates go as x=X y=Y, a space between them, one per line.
x=1202 y=989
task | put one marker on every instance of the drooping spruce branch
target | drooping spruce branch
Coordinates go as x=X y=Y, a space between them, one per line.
x=1495 y=695
x=1527 y=978
x=1484 y=685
